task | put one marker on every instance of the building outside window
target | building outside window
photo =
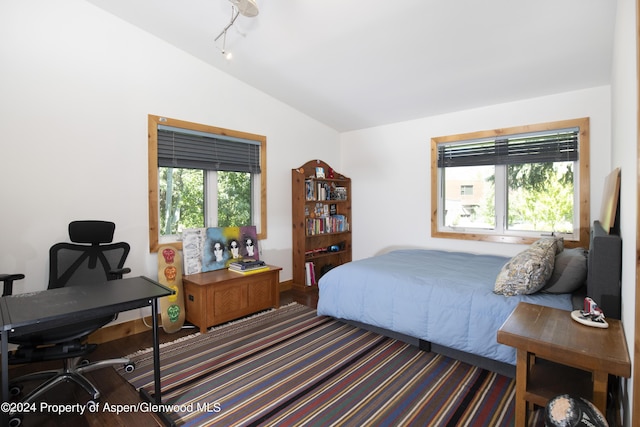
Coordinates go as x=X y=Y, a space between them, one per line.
x=466 y=190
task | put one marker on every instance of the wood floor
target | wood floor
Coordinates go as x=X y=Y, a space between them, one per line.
x=114 y=389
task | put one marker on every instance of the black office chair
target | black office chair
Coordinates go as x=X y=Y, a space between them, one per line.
x=91 y=260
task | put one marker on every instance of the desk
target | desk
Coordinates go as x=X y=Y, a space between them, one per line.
x=576 y=359
x=38 y=311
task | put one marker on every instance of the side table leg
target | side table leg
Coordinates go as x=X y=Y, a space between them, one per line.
x=522 y=372
x=600 y=385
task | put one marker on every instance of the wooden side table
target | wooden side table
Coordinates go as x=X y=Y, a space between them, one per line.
x=556 y=355
x=219 y=296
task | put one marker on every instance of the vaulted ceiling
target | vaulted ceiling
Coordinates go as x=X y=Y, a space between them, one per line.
x=353 y=64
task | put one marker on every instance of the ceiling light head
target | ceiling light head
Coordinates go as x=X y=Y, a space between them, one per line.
x=247 y=8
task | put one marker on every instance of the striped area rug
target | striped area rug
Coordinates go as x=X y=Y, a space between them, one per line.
x=291 y=367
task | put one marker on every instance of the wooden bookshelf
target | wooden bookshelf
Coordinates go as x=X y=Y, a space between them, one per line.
x=321 y=216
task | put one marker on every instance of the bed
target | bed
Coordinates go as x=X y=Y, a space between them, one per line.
x=447 y=302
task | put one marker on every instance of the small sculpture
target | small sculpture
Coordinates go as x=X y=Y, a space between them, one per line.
x=591 y=311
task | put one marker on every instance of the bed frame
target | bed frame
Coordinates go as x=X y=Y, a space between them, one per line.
x=603 y=285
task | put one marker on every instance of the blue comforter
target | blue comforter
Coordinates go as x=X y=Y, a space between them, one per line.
x=442 y=297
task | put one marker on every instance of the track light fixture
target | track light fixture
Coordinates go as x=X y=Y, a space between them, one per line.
x=247 y=8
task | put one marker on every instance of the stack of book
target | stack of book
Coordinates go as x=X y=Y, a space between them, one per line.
x=248 y=266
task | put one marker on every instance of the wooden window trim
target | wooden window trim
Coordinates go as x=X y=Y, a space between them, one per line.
x=153 y=122
x=584 y=181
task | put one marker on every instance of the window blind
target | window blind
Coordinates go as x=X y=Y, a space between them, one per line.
x=182 y=148
x=540 y=147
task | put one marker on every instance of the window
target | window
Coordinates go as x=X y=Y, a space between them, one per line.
x=466 y=190
x=203 y=176
x=513 y=185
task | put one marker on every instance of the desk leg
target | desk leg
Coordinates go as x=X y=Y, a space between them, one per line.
x=4 y=349
x=600 y=385
x=5 y=365
x=156 y=352
x=522 y=373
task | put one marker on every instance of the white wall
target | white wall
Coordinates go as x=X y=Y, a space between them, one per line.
x=625 y=155
x=390 y=167
x=76 y=86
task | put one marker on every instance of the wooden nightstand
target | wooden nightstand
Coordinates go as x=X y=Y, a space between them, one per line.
x=219 y=296
x=557 y=355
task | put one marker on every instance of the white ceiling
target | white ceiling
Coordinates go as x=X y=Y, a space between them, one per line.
x=353 y=64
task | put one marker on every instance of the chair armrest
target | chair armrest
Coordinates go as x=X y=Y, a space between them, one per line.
x=118 y=273
x=8 y=282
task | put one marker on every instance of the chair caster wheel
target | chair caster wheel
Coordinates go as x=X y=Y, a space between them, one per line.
x=129 y=367
x=15 y=390
x=84 y=362
x=15 y=420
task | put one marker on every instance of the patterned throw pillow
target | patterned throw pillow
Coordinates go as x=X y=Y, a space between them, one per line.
x=528 y=272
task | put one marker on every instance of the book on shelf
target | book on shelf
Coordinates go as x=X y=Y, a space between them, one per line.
x=328 y=224
x=310 y=193
x=339 y=193
x=315 y=251
x=310 y=274
x=322 y=191
x=251 y=270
